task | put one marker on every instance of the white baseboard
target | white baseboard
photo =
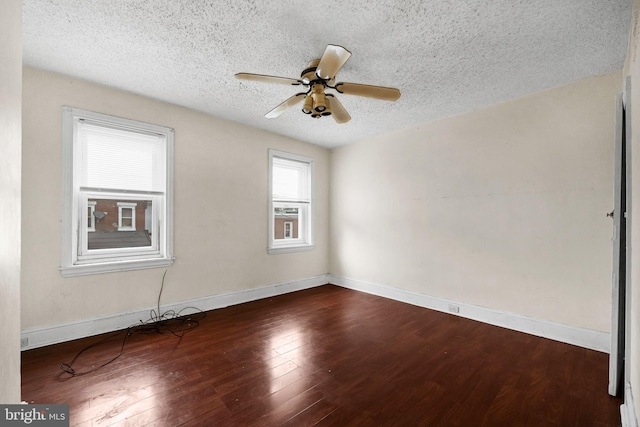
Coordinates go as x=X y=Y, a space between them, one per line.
x=627 y=409
x=40 y=337
x=587 y=338
x=595 y=340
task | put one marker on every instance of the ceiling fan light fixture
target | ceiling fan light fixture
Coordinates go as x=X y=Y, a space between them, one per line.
x=327 y=111
x=319 y=103
x=307 y=107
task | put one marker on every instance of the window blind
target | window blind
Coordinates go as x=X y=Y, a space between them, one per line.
x=291 y=181
x=117 y=159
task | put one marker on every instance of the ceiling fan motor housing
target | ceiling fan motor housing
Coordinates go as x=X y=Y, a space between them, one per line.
x=309 y=73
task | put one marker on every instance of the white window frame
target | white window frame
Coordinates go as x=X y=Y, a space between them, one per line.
x=125 y=205
x=304 y=241
x=92 y=206
x=76 y=258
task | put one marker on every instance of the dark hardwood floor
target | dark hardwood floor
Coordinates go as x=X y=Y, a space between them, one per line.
x=327 y=356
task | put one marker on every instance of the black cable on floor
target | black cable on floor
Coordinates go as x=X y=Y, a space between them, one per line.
x=175 y=323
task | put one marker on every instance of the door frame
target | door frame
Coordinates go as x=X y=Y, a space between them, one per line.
x=621 y=266
x=618 y=276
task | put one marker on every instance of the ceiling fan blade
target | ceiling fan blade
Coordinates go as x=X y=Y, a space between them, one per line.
x=285 y=105
x=377 y=92
x=332 y=60
x=268 y=79
x=338 y=112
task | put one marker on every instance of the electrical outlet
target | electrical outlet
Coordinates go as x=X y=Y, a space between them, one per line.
x=454 y=308
x=24 y=342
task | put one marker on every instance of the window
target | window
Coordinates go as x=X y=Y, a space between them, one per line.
x=91 y=212
x=290 y=207
x=117 y=183
x=127 y=216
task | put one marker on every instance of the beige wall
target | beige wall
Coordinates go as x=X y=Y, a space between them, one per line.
x=503 y=207
x=10 y=129
x=220 y=207
x=632 y=68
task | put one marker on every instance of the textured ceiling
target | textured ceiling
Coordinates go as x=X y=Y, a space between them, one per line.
x=446 y=56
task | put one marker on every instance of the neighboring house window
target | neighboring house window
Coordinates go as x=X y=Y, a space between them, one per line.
x=91 y=218
x=120 y=173
x=288 y=230
x=127 y=216
x=291 y=204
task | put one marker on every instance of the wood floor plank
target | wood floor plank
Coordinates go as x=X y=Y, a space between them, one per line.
x=327 y=356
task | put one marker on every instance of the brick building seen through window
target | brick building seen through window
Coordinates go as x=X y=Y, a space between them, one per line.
x=118 y=223
x=285 y=224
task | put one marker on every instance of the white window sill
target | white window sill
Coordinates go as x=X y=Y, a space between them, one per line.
x=110 y=267
x=290 y=249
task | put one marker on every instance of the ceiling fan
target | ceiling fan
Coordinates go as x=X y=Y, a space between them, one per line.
x=317 y=78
